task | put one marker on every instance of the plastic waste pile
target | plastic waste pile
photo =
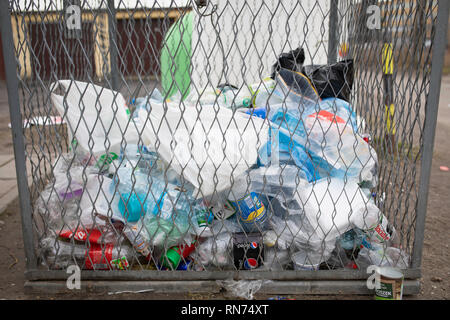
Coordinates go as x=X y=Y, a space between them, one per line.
x=274 y=176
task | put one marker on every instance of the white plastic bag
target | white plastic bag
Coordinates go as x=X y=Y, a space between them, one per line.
x=210 y=147
x=245 y=289
x=334 y=207
x=96 y=116
x=215 y=251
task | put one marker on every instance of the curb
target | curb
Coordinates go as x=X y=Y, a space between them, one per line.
x=8 y=182
x=8 y=198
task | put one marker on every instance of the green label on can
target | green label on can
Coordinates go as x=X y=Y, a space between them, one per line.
x=105 y=160
x=385 y=292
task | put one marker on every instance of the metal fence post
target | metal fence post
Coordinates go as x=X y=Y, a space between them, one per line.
x=332 y=32
x=12 y=85
x=388 y=85
x=112 y=27
x=432 y=107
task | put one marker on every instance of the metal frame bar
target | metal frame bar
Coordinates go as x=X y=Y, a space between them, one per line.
x=332 y=32
x=112 y=27
x=143 y=275
x=12 y=84
x=410 y=287
x=431 y=111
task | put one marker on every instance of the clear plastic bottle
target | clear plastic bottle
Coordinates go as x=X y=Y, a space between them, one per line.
x=131 y=188
x=60 y=255
x=233 y=98
x=176 y=204
x=137 y=172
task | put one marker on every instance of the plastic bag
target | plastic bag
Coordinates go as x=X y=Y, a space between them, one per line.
x=96 y=116
x=276 y=181
x=164 y=234
x=75 y=198
x=321 y=137
x=332 y=81
x=215 y=251
x=243 y=288
x=209 y=147
x=275 y=260
x=296 y=233
x=334 y=207
x=293 y=60
x=383 y=257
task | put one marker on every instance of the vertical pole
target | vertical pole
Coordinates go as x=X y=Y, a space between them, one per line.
x=388 y=83
x=112 y=27
x=419 y=34
x=12 y=84
x=431 y=109
x=333 y=32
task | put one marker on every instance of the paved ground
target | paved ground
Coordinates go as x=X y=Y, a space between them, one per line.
x=436 y=262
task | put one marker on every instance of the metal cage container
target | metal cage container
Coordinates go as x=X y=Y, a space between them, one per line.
x=142 y=159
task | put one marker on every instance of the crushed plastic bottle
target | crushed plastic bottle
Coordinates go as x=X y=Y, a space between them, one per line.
x=60 y=255
x=226 y=96
x=215 y=251
x=383 y=256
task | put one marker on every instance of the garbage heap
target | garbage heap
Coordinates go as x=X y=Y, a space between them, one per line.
x=278 y=175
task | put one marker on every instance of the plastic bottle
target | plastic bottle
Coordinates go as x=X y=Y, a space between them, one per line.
x=350 y=243
x=264 y=93
x=138 y=171
x=235 y=98
x=250 y=211
x=138 y=237
x=383 y=232
x=176 y=204
x=175 y=255
x=131 y=193
x=59 y=203
x=97 y=235
x=140 y=158
x=60 y=255
x=145 y=102
x=215 y=251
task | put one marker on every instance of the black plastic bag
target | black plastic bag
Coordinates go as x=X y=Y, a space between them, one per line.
x=335 y=80
x=293 y=60
x=330 y=81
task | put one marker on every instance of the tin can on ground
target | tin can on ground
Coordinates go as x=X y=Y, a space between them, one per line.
x=391 y=284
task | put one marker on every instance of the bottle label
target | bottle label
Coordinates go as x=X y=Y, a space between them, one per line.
x=382 y=232
x=204 y=217
x=93 y=235
x=249 y=209
x=97 y=258
x=138 y=241
x=120 y=264
x=224 y=211
x=105 y=160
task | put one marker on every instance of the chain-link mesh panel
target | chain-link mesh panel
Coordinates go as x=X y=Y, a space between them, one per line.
x=227 y=135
